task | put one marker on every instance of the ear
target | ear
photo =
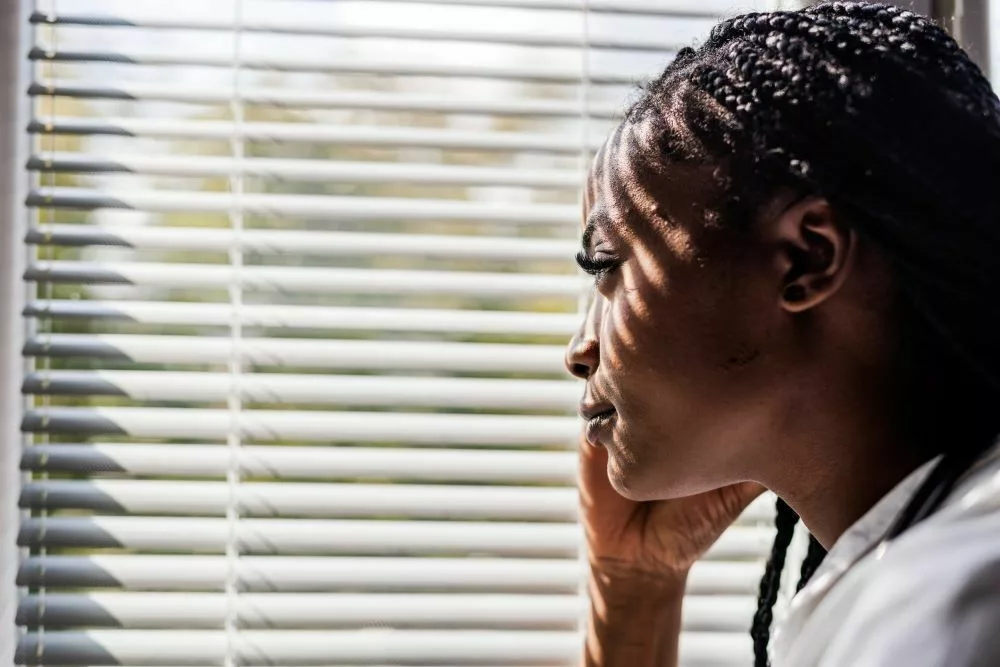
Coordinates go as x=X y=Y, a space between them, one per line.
x=816 y=253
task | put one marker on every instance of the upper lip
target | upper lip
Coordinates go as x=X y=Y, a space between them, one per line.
x=590 y=410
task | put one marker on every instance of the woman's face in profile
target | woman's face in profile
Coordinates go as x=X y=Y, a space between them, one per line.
x=679 y=346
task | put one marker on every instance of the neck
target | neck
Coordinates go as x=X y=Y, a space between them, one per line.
x=836 y=463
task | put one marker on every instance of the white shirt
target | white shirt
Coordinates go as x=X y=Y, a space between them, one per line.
x=931 y=598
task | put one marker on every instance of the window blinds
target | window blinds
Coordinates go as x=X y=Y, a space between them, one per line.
x=299 y=275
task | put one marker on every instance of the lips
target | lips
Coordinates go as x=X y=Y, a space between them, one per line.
x=599 y=418
x=594 y=410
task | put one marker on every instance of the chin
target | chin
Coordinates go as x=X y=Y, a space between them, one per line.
x=629 y=480
x=641 y=481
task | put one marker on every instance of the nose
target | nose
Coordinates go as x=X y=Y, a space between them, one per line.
x=583 y=354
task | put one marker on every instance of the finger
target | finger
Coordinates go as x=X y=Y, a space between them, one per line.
x=748 y=491
x=739 y=496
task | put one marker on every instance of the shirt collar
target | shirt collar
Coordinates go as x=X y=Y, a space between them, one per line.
x=858 y=540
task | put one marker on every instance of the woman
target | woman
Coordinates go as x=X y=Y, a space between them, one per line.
x=795 y=239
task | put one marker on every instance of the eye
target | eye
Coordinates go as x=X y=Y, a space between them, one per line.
x=598 y=266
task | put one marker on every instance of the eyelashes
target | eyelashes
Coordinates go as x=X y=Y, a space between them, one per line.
x=597 y=267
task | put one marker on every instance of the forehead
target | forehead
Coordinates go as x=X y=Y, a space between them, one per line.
x=631 y=187
x=617 y=184
x=623 y=162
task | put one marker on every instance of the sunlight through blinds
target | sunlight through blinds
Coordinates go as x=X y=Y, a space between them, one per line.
x=300 y=274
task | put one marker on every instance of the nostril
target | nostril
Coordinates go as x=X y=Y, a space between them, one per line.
x=583 y=357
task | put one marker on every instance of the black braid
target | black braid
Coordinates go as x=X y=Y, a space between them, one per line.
x=814 y=556
x=879 y=111
x=784 y=520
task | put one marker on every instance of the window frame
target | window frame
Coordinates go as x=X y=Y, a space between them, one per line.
x=15 y=73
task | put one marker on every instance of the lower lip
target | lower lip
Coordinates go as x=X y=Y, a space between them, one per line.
x=597 y=426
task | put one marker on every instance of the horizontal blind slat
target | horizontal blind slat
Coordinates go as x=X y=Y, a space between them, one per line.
x=286 y=26
x=317 y=574
x=325 y=244
x=319 y=610
x=507 y=394
x=328 y=207
x=268 y=499
x=311 y=317
x=262 y=499
x=289 y=387
x=711 y=9
x=309 y=574
x=345 y=135
x=277 y=647
x=328 y=536
x=333 y=64
x=670 y=8
x=321 y=99
x=306 y=170
x=317 y=280
x=304 y=352
x=317 y=426
x=302 y=611
x=310 y=536
x=288 y=462
x=155 y=648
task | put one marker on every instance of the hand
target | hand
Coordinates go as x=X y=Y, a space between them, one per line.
x=655 y=541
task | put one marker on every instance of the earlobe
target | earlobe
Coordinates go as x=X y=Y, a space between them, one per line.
x=817 y=253
x=794 y=293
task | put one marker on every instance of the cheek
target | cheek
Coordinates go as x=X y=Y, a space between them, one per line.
x=621 y=324
x=635 y=336
x=685 y=340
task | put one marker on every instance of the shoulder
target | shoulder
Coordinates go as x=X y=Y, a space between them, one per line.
x=932 y=598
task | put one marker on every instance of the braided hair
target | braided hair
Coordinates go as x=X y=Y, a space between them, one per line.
x=880 y=112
